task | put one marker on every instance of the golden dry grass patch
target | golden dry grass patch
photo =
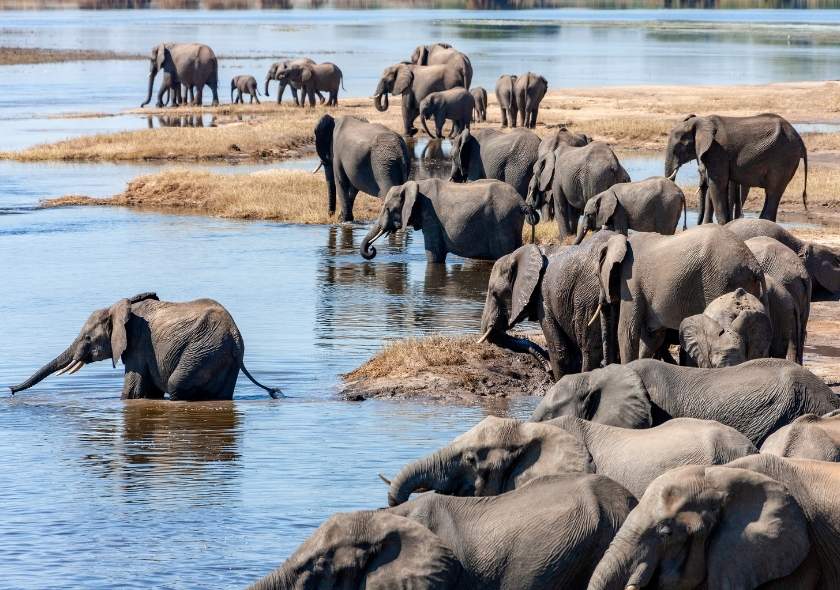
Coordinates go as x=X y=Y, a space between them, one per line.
x=37 y=55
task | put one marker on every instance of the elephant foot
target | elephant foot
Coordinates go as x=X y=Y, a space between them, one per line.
x=411 y=131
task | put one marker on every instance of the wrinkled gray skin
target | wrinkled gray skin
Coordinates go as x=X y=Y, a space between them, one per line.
x=194 y=65
x=456 y=105
x=506 y=97
x=312 y=79
x=656 y=281
x=530 y=88
x=490 y=153
x=572 y=176
x=443 y=54
x=477 y=220
x=547 y=534
x=479 y=95
x=808 y=437
x=359 y=156
x=781 y=265
x=562 y=136
x=758 y=522
x=755 y=398
x=821 y=262
x=414 y=83
x=274 y=74
x=499 y=455
x=650 y=205
x=244 y=85
x=759 y=151
x=192 y=351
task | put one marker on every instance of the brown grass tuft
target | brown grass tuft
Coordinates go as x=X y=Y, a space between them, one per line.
x=37 y=55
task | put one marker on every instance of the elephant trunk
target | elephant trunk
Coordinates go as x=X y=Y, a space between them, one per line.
x=616 y=569
x=430 y=473
x=267 y=80
x=583 y=227
x=426 y=126
x=151 y=88
x=378 y=103
x=58 y=363
x=231 y=92
x=367 y=250
x=671 y=166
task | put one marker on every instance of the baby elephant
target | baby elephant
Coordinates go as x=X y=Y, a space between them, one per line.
x=192 y=351
x=482 y=219
x=243 y=85
x=456 y=104
x=650 y=205
x=479 y=95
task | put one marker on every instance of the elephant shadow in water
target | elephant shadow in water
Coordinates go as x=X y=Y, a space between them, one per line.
x=430 y=158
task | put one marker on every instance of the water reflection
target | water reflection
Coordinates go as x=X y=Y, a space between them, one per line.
x=176 y=120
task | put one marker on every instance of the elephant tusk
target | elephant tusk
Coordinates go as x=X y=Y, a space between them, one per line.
x=76 y=368
x=484 y=336
x=672 y=178
x=385 y=479
x=71 y=368
x=376 y=237
x=318 y=167
x=594 y=315
x=632 y=587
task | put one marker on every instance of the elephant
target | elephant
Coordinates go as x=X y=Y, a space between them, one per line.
x=808 y=437
x=755 y=398
x=652 y=282
x=758 y=522
x=562 y=136
x=550 y=533
x=312 y=78
x=192 y=64
x=506 y=97
x=243 y=85
x=274 y=74
x=821 y=262
x=573 y=175
x=414 y=83
x=650 y=205
x=530 y=89
x=192 y=350
x=499 y=455
x=359 y=156
x=443 y=54
x=170 y=88
x=455 y=104
x=479 y=95
x=490 y=153
x=758 y=151
x=481 y=219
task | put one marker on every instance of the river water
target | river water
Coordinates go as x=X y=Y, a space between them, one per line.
x=100 y=493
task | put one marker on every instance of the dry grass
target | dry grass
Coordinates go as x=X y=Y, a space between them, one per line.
x=37 y=55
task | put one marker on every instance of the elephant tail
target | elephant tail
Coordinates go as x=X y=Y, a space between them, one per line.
x=805 y=186
x=274 y=392
x=341 y=79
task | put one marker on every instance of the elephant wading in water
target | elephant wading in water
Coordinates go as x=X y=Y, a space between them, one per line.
x=760 y=151
x=758 y=522
x=550 y=533
x=192 y=64
x=192 y=351
x=490 y=153
x=478 y=220
x=359 y=156
x=443 y=54
x=415 y=83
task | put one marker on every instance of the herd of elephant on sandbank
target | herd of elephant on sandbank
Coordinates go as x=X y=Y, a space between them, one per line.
x=717 y=469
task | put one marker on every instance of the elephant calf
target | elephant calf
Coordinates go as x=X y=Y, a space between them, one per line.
x=243 y=85
x=455 y=104
x=479 y=95
x=192 y=351
x=478 y=220
x=650 y=205
x=808 y=437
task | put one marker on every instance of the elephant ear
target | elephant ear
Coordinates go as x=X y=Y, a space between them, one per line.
x=547 y=172
x=757 y=332
x=408 y=214
x=548 y=449
x=305 y=74
x=120 y=314
x=424 y=55
x=704 y=136
x=763 y=521
x=616 y=396
x=697 y=333
x=160 y=55
x=528 y=267
x=607 y=204
x=610 y=257
x=403 y=81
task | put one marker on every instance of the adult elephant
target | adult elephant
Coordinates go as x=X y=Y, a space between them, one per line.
x=821 y=262
x=653 y=282
x=490 y=153
x=414 y=83
x=499 y=455
x=314 y=79
x=506 y=97
x=572 y=176
x=758 y=522
x=274 y=73
x=193 y=64
x=547 y=534
x=755 y=398
x=808 y=437
x=443 y=54
x=192 y=350
x=359 y=156
x=562 y=136
x=530 y=89
x=759 y=151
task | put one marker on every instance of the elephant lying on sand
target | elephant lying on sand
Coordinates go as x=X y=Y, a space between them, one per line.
x=808 y=437
x=478 y=220
x=755 y=398
x=192 y=351
x=758 y=522
x=498 y=455
x=490 y=153
x=548 y=534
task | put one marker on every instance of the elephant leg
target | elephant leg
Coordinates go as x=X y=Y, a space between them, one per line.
x=719 y=199
x=772 y=198
x=512 y=117
x=295 y=96
x=321 y=96
x=199 y=96
x=629 y=332
x=559 y=346
x=560 y=213
x=136 y=386
x=409 y=113
x=504 y=118
x=333 y=102
x=650 y=342
x=347 y=194
x=213 y=83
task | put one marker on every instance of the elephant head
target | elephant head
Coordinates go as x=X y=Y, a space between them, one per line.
x=562 y=136
x=298 y=73
x=271 y=75
x=160 y=59
x=689 y=140
x=429 y=107
x=396 y=79
x=103 y=336
x=823 y=264
x=232 y=88
x=371 y=549
x=540 y=185
x=614 y=395
x=706 y=527
x=733 y=329
x=496 y=456
x=464 y=147
x=603 y=211
x=399 y=211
